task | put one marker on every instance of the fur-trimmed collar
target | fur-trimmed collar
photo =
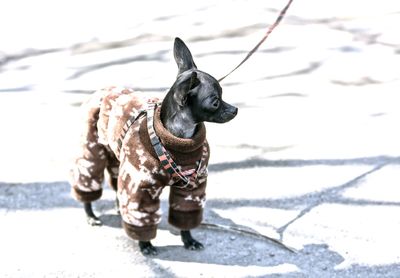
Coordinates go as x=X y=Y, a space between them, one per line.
x=171 y=142
x=183 y=151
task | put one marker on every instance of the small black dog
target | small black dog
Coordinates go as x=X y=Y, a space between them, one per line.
x=177 y=137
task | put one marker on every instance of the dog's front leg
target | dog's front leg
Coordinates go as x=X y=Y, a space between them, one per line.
x=189 y=242
x=92 y=219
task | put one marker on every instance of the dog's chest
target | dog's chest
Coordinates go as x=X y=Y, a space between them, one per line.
x=133 y=146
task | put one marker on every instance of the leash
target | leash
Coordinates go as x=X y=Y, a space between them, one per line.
x=269 y=31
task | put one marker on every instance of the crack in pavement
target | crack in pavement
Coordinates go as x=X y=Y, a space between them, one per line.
x=326 y=196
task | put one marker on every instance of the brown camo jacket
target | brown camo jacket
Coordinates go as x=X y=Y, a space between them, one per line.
x=135 y=172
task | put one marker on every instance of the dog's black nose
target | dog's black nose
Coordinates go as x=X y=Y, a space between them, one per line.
x=230 y=113
x=235 y=111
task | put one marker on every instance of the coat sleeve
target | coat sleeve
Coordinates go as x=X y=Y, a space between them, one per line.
x=186 y=203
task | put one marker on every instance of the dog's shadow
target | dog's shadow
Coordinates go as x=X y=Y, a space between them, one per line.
x=112 y=220
x=231 y=249
x=224 y=247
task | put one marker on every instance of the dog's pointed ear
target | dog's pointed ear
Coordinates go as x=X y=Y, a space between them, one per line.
x=189 y=82
x=183 y=57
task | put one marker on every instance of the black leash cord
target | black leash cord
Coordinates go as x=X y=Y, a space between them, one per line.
x=269 y=31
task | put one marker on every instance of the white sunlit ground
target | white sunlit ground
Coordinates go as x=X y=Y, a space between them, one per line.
x=312 y=158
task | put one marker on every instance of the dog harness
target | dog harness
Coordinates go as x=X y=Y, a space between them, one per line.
x=188 y=177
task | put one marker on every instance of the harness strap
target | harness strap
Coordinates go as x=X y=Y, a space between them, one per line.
x=189 y=176
x=126 y=127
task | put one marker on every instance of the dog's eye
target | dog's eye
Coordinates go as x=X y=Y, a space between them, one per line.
x=212 y=103
x=215 y=103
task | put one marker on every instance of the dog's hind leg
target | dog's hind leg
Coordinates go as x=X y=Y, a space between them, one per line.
x=113 y=172
x=92 y=219
x=113 y=182
x=87 y=174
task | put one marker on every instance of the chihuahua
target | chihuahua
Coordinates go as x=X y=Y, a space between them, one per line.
x=144 y=145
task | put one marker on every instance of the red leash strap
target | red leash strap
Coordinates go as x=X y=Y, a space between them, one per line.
x=269 y=31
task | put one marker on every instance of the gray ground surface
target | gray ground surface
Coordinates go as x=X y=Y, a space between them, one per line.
x=312 y=159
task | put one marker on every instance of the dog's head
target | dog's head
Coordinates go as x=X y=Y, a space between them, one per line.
x=198 y=90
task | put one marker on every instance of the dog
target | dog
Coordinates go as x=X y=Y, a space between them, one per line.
x=144 y=145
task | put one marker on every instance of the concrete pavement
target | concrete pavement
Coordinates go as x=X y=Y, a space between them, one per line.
x=311 y=160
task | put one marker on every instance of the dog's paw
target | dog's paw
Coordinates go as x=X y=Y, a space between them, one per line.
x=147 y=248
x=94 y=221
x=193 y=245
x=189 y=242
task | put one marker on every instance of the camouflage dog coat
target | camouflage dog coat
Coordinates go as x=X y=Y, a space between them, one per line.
x=116 y=140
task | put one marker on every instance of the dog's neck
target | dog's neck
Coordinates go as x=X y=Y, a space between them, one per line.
x=177 y=119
